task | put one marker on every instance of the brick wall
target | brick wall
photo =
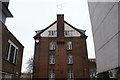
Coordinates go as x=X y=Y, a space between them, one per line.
x=80 y=58
x=6 y=65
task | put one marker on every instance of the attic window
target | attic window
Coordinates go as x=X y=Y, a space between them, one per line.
x=52 y=33
x=68 y=32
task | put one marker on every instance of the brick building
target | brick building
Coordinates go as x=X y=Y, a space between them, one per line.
x=60 y=52
x=11 y=50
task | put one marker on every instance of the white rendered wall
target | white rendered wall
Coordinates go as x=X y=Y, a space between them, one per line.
x=54 y=28
x=75 y=33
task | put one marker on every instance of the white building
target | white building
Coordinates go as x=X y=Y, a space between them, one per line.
x=106 y=27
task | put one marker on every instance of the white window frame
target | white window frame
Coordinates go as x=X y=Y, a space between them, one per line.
x=9 y=50
x=52 y=33
x=52 y=45
x=69 y=59
x=51 y=74
x=51 y=59
x=69 y=32
x=70 y=75
x=69 y=45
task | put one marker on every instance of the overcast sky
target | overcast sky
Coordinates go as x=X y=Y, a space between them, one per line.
x=32 y=15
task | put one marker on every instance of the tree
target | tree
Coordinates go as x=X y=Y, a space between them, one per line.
x=30 y=65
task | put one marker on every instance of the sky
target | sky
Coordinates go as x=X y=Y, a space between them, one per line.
x=33 y=15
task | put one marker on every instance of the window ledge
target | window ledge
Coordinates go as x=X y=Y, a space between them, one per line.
x=10 y=62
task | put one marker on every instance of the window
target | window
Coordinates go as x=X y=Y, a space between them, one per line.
x=52 y=33
x=51 y=59
x=70 y=75
x=51 y=74
x=69 y=45
x=52 y=45
x=69 y=59
x=68 y=32
x=12 y=52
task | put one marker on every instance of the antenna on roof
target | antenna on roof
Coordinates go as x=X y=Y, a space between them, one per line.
x=60 y=6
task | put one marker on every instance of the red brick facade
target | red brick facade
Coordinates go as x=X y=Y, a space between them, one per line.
x=41 y=64
x=9 y=68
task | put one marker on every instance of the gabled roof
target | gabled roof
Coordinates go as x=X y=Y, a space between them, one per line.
x=38 y=32
x=79 y=30
x=41 y=31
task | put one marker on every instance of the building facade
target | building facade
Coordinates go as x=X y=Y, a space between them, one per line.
x=11 y=50
x=92 y=68
x=106 y=27
x=60 y=52
x=26 y=76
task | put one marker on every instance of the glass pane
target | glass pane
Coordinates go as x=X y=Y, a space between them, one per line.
x=8 y=48
x=70 y=59
x=11 y=57
x=15 y=56
x=69 y=45
x=51 y=74
x=52 y=45
x=51 y=59
x=70 y=74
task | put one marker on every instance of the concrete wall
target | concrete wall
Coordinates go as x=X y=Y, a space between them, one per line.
x=104 y=20
x=119 y=34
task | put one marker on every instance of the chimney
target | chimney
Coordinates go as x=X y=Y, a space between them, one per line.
x=60 y=25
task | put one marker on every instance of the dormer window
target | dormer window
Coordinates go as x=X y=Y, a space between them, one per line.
x=52 y=33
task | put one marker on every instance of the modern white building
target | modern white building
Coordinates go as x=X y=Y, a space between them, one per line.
x=106 y=33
